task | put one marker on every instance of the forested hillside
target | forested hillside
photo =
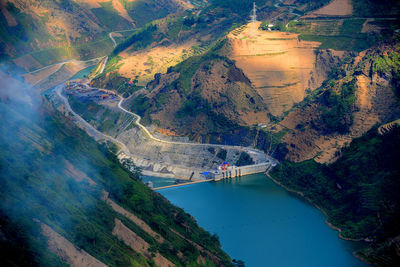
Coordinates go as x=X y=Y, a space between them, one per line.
x=76 y=188
x=39 y=33
x=359 y=192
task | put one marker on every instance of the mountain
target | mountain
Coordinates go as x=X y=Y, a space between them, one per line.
x=314 y=84
x=359 y=95
x=321 y=94
x=39 y=33
x=76 y=204
x=358 y=193
x=262 y=76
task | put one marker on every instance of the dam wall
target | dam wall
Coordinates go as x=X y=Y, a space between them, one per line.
x=235 y=171
x=230 y=172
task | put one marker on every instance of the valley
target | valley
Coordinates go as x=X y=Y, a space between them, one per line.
x=158 y=157
x=126 y=93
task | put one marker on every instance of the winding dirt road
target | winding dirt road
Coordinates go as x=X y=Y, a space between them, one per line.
x=149 y=135
x=99 y=135
x=89 y=128
x=112 y=38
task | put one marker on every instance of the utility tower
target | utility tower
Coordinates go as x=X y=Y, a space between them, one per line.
x=253 y=16
x=253 y=19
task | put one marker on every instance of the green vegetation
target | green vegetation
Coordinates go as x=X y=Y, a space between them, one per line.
x=194 y=105
x=311 y=5
x=110 y=79
x=278 y=26
x=144 y=11
x=109 y=17
x=244 y=159
x=188 y=67
x=85 y=51
x=237 y=6
x=359 y=192
x=376 y=8
x=175 y=26
x=389 y=64
x=141 y=105
x=112 y=65
x=222 y=154
x=37 y=182
x=335 y=34
x=140 y=39
x=126 y=89
x=24 y=32
x=336 y=112
x=102 y=118
x=177 y=29
x=31 y=33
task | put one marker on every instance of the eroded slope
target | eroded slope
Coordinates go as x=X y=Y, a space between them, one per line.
x=320 y=128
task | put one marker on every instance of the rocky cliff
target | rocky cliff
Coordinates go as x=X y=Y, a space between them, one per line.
x=367 y=86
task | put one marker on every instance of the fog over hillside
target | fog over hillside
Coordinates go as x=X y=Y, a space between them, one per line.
x=106 y=103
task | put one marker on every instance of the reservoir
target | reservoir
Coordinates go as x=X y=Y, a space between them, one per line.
x=262 y=224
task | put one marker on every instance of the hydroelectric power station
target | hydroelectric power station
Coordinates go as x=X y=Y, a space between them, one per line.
x=226 y=171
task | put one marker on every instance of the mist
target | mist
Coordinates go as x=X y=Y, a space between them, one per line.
x=43 y=175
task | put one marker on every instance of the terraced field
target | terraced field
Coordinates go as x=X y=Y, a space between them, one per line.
x=279 y=65
x=345 y=34
x=144 y=64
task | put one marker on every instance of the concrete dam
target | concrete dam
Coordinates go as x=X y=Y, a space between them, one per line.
x=229 y=172
x=235 y=171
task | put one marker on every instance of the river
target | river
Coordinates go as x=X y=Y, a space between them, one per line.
x=261 y=223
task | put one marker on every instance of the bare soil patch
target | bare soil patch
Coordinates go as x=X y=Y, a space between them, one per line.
x=145 y=63
x=137 y=243
x=280 y=66
x=139 y=222
x=375 y=102
x=67 y=251
x=121 y=10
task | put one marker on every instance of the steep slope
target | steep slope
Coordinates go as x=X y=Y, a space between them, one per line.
x=209 y=95
x=358 y=193
x=281 y=70
x=280 y=66
x=201 y=95
x=37 y=33
x=361 y=94
x=64 y=194
x=169 y=41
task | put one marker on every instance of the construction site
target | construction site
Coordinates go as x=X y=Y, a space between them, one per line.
x=83 y=91
x=156 y=154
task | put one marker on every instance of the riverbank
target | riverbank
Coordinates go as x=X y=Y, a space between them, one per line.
x=255 y=210
x=326 y=216
x=319 y=208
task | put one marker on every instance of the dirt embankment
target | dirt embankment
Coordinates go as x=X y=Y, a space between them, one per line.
x=145 y=227
x=375 y=103
x=137 y=243
x=279 y=65
x=67 y=251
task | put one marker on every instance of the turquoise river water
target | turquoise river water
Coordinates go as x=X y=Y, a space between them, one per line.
x=261 y=223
